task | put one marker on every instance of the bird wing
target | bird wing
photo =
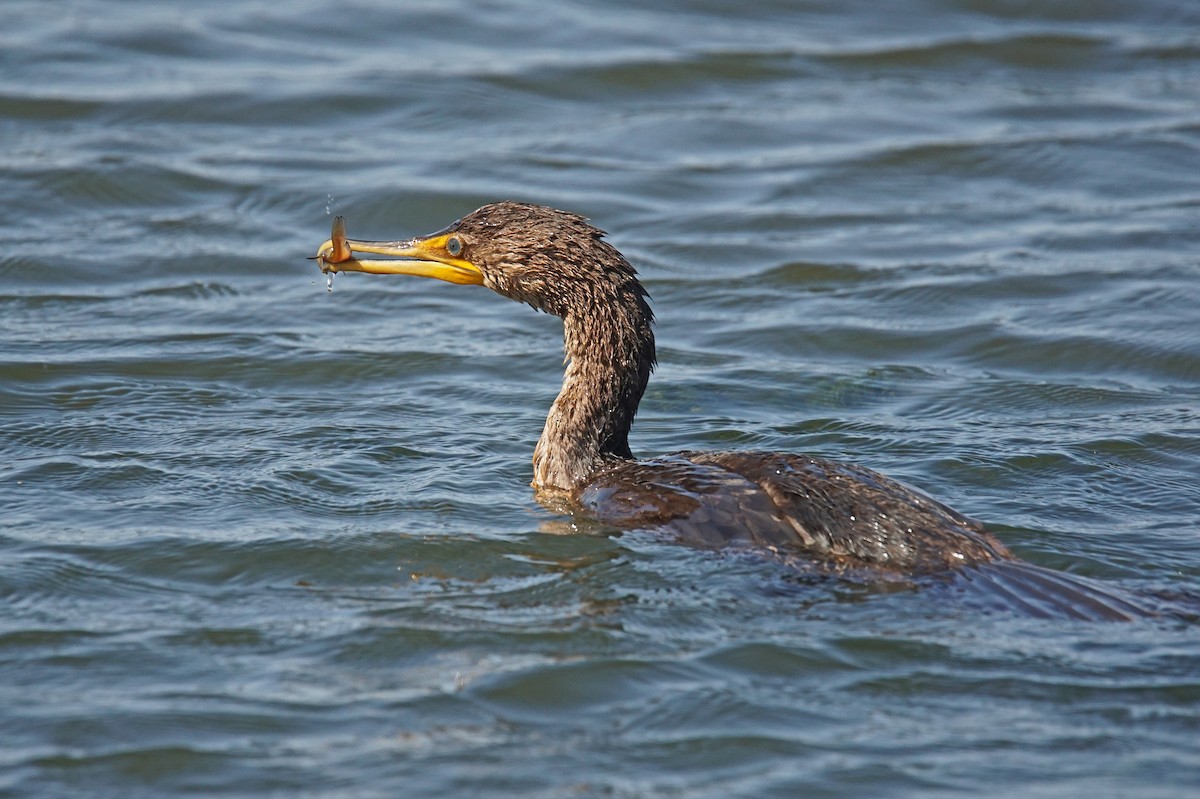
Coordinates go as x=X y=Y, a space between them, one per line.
x=844 y=515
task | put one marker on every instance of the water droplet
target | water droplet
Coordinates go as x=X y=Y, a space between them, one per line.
x=329 y=281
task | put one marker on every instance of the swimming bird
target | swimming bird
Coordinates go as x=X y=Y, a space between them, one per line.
x=836 y=518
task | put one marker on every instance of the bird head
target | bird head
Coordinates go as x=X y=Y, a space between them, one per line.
x=542 y=256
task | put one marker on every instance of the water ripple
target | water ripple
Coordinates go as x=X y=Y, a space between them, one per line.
x=260 y=539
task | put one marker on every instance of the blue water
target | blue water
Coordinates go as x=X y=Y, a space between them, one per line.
x=260 y=539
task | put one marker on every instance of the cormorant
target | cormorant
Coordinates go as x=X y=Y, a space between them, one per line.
x=835 y=518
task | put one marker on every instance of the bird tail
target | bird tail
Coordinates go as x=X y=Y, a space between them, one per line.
x=1041 y=593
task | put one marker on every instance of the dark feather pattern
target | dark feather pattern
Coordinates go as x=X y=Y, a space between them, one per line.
x=833 y=518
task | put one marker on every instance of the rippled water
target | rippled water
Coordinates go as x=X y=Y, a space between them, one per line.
x=261 y=539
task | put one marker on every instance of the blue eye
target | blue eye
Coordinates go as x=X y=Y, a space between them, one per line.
x=454 y=245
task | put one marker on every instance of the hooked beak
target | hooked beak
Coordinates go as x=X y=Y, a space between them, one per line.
x=422 y=257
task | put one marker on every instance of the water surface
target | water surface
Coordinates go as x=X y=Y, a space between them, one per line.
x=259 y=539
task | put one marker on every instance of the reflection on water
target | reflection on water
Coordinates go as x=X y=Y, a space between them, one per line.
x=261 y=539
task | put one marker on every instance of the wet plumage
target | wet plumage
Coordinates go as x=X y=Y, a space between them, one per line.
x=835 y=517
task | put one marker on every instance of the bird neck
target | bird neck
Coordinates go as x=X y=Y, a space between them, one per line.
x=609 y=348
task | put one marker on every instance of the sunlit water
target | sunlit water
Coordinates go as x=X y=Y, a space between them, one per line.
x=260 y=539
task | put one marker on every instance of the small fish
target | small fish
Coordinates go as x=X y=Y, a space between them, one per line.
x=334 y=251
x=341 y=249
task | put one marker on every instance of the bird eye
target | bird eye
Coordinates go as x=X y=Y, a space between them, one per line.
x=454 y=245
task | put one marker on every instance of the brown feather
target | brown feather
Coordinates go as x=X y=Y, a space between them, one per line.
x=843 y=518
